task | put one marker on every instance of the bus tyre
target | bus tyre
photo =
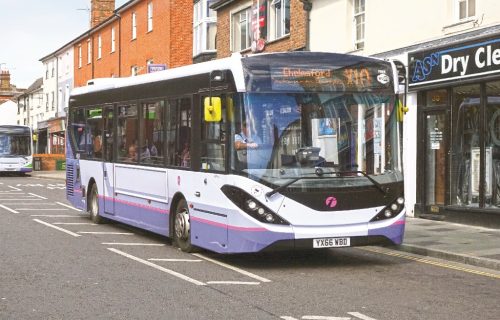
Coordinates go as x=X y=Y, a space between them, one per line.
x=182 y=227
x=94 y=205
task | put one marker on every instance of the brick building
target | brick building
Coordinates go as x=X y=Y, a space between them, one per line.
x=124 y=41
x=261 y=26
x=7 y=89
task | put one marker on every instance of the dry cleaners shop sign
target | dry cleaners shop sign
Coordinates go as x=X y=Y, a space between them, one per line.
x=461 y=61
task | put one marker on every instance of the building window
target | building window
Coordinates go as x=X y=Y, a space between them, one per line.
x=279 y=19
x=134 y=25
x=150 y=16
x=46 y=102
x=241 y=29
x=53 y=100
x=47 y=71
x=204 y=27
x=466 y=9
x=359 y=21
x=113 y=39
x=99 y=47
x=134 y=70
x=89 y=51
x=53 y=71
x=79 y=56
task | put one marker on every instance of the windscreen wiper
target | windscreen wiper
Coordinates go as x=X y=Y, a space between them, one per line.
x=320 y=173
x=364 y=174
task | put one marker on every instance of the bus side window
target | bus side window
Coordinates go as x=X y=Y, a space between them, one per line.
x=178 y=132
x=151 y=145
x=127 y=133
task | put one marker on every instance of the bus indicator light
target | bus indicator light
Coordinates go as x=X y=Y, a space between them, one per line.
x=331 y=202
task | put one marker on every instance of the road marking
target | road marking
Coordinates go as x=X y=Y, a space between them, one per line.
x=10 y=192
x=35 y=195
x=67 y=206
x=132 y=244
x=103 y=233
x=38 y=209
x=234 y=282
x=174 y=260
x=360 y=316
x=225 y=265
x=55 y=216
x=25 y=199
x=14 y=188
x=171 y=272
x=57 y=228
x=325 y=318
x=75 y=223
x=8 y=209
x=434 y=263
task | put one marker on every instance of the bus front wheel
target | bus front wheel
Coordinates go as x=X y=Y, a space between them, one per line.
x=182 y=227
x=94 y=205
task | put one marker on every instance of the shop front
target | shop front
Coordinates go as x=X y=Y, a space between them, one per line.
x=56 y=135
x=458 y=156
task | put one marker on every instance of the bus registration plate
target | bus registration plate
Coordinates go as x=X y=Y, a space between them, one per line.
x=331 y=242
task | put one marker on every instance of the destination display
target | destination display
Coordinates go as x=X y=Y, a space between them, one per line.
x=464 y=60
x=356 y=74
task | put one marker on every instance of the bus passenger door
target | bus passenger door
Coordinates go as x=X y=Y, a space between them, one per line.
x=108 y=158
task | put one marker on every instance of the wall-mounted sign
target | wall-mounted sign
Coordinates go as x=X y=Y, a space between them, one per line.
x=459 y=61
x=156 y=67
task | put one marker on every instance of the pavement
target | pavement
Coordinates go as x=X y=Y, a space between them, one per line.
x=472 y=245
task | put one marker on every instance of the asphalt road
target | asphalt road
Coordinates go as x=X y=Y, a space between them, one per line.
x=56 y=264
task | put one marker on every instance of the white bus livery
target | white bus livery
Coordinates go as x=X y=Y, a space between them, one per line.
x=243 y=154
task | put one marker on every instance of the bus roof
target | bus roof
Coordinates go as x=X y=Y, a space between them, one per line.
x=236 y=64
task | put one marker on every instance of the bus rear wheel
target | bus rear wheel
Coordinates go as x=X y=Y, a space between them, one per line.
x=94 y=205
x=182 y=227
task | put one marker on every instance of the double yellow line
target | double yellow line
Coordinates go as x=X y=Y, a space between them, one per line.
x=430 y=262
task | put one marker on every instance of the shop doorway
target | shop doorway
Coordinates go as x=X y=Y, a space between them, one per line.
x=435 y=159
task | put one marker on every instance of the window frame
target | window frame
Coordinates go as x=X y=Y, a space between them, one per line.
x=273 y=21
x=236 y=15
x=469 y=4
x=134 y=25
x=359 y=43
x=150 y=16
x=99 y=47
x=89 y=51
x=202 y=21
x=113 y=40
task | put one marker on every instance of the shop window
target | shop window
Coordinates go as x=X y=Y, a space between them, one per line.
x=127 y=133
x=466 y=162
x=178 y=128
x=151 y=144
x=492 y=142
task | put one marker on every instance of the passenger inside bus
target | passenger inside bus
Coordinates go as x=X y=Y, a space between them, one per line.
x=132 y=152
x=185 y=157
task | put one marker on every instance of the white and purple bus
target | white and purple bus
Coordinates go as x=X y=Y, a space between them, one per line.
x=274 y=151
x=16 y=149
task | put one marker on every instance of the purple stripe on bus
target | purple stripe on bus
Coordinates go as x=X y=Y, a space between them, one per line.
x=133 y=204
x=222 y=225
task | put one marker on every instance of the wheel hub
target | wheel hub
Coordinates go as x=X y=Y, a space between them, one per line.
x=182 y=225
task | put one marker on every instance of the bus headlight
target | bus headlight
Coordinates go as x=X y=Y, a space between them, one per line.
x=252 y=206
x=391 y=210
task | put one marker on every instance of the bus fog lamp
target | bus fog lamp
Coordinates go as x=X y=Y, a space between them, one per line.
x=400 y=201
x=269 y=217
x=394 y=207
x=261 y=211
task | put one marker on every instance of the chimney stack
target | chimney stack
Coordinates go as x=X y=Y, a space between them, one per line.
x=100 y=11
x=5 y=80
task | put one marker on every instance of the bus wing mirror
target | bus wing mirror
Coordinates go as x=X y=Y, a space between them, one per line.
x=212 y=109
